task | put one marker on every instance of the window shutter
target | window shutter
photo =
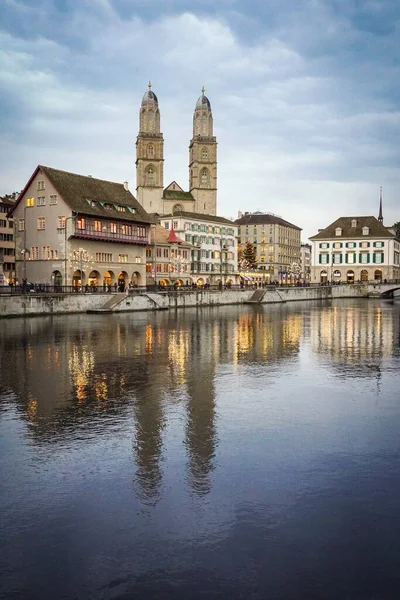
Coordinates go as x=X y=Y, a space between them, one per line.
x=368 y=257
x=341 y=258
x=320 y=259
x=374 y=256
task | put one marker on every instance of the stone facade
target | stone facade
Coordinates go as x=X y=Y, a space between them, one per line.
x=305 y=263
x=355 y=249
x=150 y=191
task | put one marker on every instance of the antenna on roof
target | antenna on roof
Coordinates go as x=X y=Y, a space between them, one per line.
x=380 y=217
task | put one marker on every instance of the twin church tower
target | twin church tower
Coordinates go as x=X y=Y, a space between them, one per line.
x=150 y=192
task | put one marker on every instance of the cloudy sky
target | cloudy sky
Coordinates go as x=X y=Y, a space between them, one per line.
x=305 y=96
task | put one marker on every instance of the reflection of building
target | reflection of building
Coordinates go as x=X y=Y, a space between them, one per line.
x=357 y=339
x=73 y=229
x=202 y=197
x=7 y=242
x=214 y=257
x=277 y=243
x=305 y=262
x=355 y=249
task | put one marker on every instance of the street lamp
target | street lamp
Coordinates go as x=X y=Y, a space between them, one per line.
x=28 y=204
x=65 y=246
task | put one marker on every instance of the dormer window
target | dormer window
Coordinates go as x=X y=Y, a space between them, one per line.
x=354 y=222
x=365 y=230
x=338 y=231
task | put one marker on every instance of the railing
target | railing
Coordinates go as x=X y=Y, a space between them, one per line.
x=30 y=288
x=110 y=236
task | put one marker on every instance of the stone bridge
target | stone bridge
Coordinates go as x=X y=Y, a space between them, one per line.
x=384 y=290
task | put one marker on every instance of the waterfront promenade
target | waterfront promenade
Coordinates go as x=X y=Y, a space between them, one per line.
x=34 y=303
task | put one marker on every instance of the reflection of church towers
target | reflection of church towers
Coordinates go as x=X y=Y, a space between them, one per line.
x=200 y=428
x=203 y=159
x=149 y=421
x=150 y=155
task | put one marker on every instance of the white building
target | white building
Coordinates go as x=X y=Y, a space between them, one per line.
x=305 y=262
x=214 y=256
x=355 y=249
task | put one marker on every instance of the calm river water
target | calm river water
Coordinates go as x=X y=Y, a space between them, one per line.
x=248 y=453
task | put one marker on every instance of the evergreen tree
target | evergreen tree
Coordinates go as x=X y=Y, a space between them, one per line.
x=396 y=227
x=249 y=256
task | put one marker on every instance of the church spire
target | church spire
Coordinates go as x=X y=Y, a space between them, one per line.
x=380 y=217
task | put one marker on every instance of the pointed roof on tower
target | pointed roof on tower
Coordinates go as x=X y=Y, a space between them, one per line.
x=173 y=238
x=380 y=217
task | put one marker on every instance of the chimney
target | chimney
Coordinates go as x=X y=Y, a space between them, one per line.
x=126 y=185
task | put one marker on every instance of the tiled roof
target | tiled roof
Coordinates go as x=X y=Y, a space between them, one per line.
x=177 y=195
x=376 y=229
x=198 y=217
x=264 y=219
x=7 y=201
x=77 y=190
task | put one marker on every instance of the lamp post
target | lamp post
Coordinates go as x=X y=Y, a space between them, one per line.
x=28 y=205
x=65 y=246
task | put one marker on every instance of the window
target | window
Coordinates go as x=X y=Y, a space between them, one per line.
x=113 y=227
x=81 y=223
x=120 y=208
x=378 y=257
x=150 y=150
x=41 y=223
x=338 y=231
x=34 y=253
x=21 y=224
x=138 y=259
x=379 y=244
x=30 y=202
x=41 y=201
x=351 y=245
x=166 y=225
x=104 y=257
x=364 y=244
x=365 y=230
x=337 y=245
x=364 y=258
x=123 y=258
x=40 y=185
x=354 y=223
x=204 y=154
x=351 y=258
x=204 y=177
x=46 y=252
x=337 y=259
x=97 y=225
x=126 y=229
x=324 y=259
x=150 y=175
x=61 y=222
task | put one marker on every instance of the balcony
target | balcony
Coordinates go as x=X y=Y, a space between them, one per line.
x=108 y=236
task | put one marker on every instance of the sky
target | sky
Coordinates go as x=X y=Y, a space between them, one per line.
x=305 y=97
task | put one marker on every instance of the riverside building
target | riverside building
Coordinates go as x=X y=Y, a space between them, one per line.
x=277 y=243
x=77 y=230
x=7 y=242
x=214 y=242
x=355 y=249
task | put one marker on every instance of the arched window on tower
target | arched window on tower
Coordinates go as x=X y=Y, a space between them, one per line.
x=150 y=150
x=204 y=177
x=204 y=154
x=150 y=175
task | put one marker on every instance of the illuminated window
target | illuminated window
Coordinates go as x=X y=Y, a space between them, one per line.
x=61 y=221
x=81 y=223
x=30 y=201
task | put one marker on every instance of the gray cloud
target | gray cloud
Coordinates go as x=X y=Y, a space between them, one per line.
x=306 y=113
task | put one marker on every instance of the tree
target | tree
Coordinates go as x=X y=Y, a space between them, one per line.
x=396 y=227
x=248 y=257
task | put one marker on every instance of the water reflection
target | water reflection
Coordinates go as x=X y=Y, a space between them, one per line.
x=82 y=376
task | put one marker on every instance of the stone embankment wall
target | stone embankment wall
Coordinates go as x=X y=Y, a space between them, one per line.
x=35 y=304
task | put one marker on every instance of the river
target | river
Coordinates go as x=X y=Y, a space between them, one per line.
x=234 y=452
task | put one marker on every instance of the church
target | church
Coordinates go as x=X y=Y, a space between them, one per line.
x=150 y=192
